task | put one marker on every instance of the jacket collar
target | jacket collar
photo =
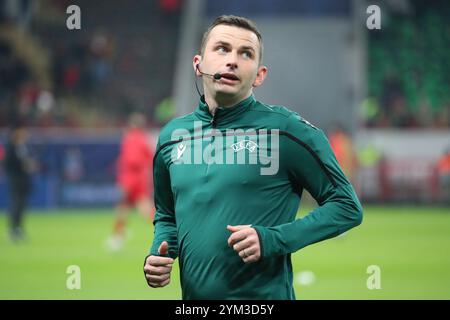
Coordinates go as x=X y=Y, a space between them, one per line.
x=223 y=115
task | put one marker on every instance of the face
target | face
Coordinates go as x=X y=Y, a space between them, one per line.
x=234 y=53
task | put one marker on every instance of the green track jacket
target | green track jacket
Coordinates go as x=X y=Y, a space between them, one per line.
x=246 y=165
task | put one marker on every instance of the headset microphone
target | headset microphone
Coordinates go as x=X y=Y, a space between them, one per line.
x=215 y=76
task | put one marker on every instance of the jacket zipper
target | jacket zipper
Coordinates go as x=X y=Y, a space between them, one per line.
x=214 y=120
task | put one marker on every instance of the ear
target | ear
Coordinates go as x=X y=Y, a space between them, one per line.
x=260 y=76
x=195 y=63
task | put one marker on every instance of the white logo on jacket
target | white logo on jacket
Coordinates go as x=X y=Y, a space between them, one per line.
x=244 y=144
x=180 y=150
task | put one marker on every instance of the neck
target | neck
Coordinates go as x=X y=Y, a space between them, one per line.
x=225 y=101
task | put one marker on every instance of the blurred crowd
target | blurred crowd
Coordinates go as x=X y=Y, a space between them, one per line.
x=408 y=67
x=96 y=76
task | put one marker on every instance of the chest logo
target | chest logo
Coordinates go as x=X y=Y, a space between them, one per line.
x=180 y=150
x=244 y=144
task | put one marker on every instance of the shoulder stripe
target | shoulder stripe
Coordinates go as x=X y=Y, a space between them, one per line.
x=168 y=143
x=313 y=153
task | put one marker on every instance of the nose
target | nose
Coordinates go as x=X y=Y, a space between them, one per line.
x=232 y=63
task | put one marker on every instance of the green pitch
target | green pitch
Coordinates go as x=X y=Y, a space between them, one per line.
x=409 y=245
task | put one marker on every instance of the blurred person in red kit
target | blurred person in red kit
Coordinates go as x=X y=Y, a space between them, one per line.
x=443 y=173
x=344 y=150
x=133 y=177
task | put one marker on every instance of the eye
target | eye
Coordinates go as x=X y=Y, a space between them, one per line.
x=247 y=54
x=221 y=49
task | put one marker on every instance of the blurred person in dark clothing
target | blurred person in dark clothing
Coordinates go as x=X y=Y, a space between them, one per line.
x=18 y=166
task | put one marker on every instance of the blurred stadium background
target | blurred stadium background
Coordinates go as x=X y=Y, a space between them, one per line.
x=382 y=96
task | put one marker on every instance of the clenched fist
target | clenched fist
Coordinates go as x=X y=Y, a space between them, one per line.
x=245 y=241
x=157 y=269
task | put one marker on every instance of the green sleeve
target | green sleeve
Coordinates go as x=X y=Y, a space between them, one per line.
x=164 y=223
x=307 y=156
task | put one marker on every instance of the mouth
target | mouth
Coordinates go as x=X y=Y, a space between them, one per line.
x=229 y=76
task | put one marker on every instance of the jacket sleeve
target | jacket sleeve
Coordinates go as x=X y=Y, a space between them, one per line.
x=164 y=223
x=310 y=163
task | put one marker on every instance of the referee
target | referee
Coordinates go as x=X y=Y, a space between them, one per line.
x=18 y=166
x=228 y=180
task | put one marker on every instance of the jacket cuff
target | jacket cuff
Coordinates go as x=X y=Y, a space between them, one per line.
x=172 y=253
x=260 y=232
x=271 y=241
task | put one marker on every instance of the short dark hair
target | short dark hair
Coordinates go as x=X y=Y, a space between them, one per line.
x=236 y=21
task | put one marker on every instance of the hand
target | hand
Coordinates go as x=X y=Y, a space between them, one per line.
x=245 y=241
x=157 y=269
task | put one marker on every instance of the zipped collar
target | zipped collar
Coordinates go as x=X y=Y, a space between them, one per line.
x=223 y=115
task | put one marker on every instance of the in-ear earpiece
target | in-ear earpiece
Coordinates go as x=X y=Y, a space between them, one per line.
x=197 y=68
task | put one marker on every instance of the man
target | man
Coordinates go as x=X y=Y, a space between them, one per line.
x=443 y=175
x=344 y=151
x=134 y=177
x=18 y=167
x=232 y=225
